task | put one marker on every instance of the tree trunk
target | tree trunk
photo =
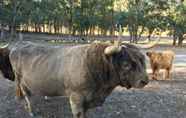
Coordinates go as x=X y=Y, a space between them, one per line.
x=93 y=31
x=44 y=28
x=174 y=39
x=73 y=32
x=131 y=39
x=12 y=31
x=135 y=38
x=26 y=29
x=99 y=31
x=13 y=27
x=149 y=35
x=174 y=42
x=16 y=7
x=35 y=27
x=141 y=32
x=50 y=27
x=180 y=40
x=39 y=28
x=55 y=28
x=2 y=32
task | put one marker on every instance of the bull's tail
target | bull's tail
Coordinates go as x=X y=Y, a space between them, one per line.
x=19 y=92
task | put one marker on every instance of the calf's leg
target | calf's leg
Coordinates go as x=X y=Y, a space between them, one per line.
x=77 y=105
x=167 y=73
x=155 y=74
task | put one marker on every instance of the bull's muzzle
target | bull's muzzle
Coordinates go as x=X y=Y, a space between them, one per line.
x=144 y=82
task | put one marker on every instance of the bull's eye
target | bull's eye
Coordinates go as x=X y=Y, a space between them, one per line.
x=134 y=65
x=126 y=66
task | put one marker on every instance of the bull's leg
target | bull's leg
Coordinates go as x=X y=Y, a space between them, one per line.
x=19 y=94
x=76 y=102
x=28 y=104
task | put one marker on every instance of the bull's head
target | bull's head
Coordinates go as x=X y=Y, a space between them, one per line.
x=5 y=65
x=129 y=65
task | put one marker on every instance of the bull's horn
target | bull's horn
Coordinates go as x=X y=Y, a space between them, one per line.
x=112 y=50
x=146 y=46
x=4 y=46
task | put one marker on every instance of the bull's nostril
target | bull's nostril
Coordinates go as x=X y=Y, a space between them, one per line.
x=144 y=82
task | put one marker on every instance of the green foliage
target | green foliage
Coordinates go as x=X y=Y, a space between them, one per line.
x=85 y=17
x=177 y=22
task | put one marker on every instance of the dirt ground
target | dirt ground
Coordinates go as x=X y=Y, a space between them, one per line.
x=159 y=99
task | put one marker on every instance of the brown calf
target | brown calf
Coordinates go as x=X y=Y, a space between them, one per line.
x=161 y=60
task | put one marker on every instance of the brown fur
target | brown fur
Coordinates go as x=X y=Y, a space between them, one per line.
x=161 y=60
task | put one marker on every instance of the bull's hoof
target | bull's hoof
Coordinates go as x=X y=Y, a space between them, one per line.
x=32 y=115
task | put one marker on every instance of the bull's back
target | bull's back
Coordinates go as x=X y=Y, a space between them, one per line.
x=40 y=68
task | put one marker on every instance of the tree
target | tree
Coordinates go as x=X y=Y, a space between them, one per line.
x=155 y=15
x=14 y=13
x=177 y=23
x=134 y=19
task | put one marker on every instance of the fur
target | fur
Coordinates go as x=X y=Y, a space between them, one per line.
x=161 y=60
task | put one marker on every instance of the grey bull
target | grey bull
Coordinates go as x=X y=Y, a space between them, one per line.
x=86 y=74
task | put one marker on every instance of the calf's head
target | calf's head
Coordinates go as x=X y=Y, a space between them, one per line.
x=129 y=65
x=151 y=54
x=5 y=65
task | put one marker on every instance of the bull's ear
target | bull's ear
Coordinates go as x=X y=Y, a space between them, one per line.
x=4 y=46
x=110 y=50
x=4 y=49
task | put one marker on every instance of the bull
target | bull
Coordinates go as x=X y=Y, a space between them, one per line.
x=161 y=60
x=86 y=74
